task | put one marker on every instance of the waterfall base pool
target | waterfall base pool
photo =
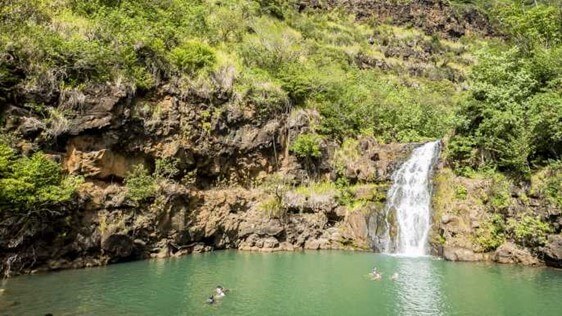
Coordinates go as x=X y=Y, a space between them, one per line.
x=302 y=283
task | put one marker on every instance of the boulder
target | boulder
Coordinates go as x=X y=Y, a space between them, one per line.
x=270 y=242
x=511 y=253
x=553 y=251
x=312 y=244
x=462 y=254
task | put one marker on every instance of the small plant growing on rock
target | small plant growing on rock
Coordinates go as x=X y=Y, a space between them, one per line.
x=166 y=168
x=307 y=146
x=461 y=192
x=529 y=230
x=491 y=234
x=140 y=184
x=500 y=192
x=548 y=183
x=273 y=207
x=347 y=153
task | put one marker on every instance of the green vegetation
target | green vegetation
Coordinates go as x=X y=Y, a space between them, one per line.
x=317 y=59
x=548 y=183
x=273 y=208
x=32 y=184
x=307 y=146
x=491 y=234
x=317 y=188
x=280 y=58
x=510 y=119
x=499 y=194
x=166 y=168
x=529 y=231
x=140 y=184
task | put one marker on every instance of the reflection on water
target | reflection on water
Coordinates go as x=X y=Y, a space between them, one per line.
x=418 y=288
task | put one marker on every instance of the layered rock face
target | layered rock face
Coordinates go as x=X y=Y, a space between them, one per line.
x=226 y=156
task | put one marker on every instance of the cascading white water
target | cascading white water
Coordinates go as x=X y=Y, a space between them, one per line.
x=410 y=199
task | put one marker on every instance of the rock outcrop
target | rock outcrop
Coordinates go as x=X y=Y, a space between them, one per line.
x=511 y=253
x=224 y=157
x=432 y=16
x=553 y=251
x=480 y=219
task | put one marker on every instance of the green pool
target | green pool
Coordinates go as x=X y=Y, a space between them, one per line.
x=302 y=283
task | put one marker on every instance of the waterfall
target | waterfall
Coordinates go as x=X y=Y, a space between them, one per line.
x=409 y=204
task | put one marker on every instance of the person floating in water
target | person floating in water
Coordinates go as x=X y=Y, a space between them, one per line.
x=375 y=275
x=210 y=300
x=394 y=277
x=220 y=291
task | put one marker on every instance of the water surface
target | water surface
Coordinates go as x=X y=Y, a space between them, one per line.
x=302 y=283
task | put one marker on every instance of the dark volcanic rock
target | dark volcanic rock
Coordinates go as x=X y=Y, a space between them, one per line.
x=553 y=251
x=118 y=246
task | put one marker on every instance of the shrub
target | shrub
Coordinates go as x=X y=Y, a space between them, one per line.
x=264 y=93
x=33 y=184
x=346 y=154
x=548 y=183
x=529 y=231
x=272 y=45
x=166 y=168
x=500 y=195
x=510 y=118
x=192 y=56
x=273 y=207
x=307 y=146
x=140 y=184
x=491 y=233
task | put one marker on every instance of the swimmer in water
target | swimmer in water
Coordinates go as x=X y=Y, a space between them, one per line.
x=394 y=277
x=220 y=291
x=210 y=300
x=376 y=276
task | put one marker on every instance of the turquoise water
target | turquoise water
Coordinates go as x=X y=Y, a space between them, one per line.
x=302 y=283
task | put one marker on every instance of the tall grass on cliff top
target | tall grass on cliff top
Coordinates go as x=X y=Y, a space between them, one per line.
x=281 y=57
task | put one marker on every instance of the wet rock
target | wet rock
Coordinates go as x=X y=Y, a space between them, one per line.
x=118 y=246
